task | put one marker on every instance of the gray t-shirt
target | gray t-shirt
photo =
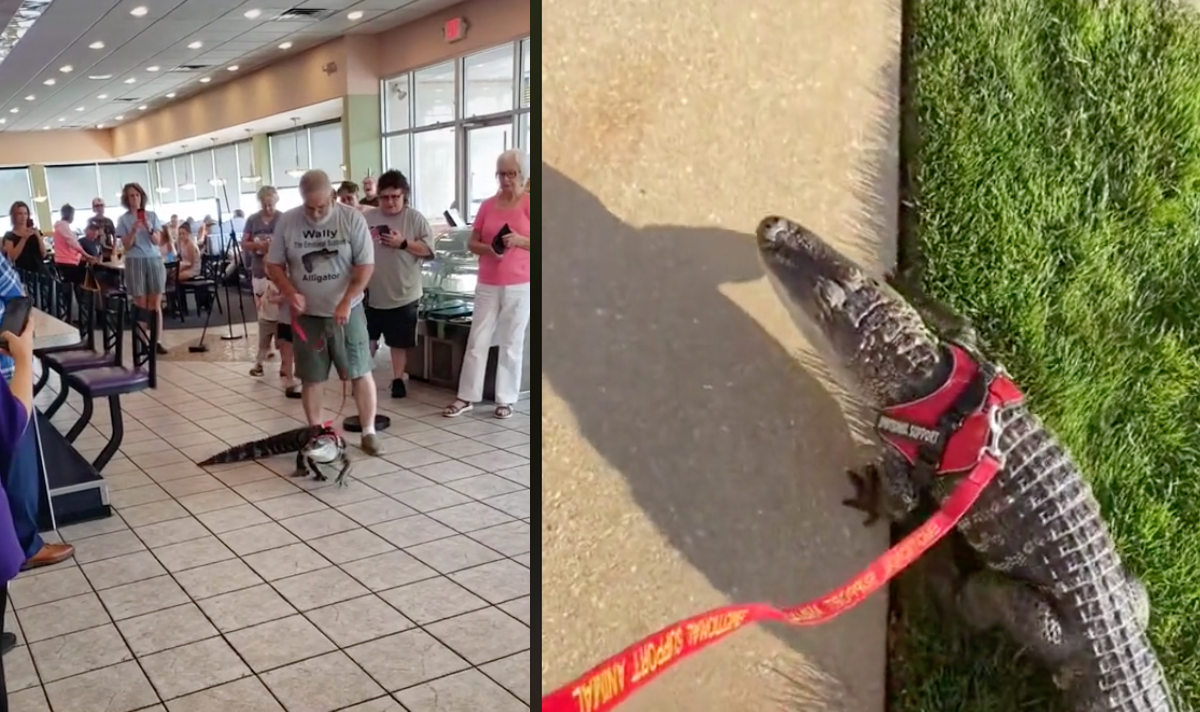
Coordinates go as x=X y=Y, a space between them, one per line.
x=259 y=230
x=396 y=281
x=320 y=256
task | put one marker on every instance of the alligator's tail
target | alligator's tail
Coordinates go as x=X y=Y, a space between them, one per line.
x=281 y=444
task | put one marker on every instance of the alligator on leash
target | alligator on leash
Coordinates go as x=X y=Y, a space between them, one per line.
x=1051 y=576
x=315 y=446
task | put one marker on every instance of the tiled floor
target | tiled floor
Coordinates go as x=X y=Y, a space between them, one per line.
x=240 y=589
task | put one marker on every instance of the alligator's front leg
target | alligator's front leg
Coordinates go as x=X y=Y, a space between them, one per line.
x=988 y=599
x=885 y=488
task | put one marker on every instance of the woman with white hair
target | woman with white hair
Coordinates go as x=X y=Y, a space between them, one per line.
x=500 y=236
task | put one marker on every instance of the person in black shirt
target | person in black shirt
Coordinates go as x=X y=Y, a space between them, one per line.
x=106 y=231
x=23 y=245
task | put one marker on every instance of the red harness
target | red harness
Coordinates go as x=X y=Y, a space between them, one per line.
x=948 y=429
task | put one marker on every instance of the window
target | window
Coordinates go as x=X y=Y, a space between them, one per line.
x=398 y=154
x=205 y=173
x=523 y=133
x=445 y=125
x=225 y=159
x=488 y=82
x=325 y=145
x=114 y=176
x=185 y=175
x=484 y=146
x=433 y=95
x=397 y=104
x=14 y=185
x=289 y=154
x=433 y=178
x=76 y=185
x=525 y=60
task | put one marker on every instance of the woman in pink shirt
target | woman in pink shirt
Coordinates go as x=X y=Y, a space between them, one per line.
x=502 y=293
x=69 y=257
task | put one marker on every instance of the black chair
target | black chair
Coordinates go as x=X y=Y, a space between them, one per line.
x=39 y=287
x=204 y=286
x=67 y=362
x=87 y=335
x=112 y=382
x=173 y=296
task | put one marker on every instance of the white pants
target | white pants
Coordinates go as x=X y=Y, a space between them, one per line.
x=500 y=317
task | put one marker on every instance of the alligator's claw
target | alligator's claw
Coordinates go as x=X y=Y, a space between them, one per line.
x=866 y=493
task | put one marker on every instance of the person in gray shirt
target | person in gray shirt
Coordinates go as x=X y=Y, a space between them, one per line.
x=402 y=238
x=256 y=238
x=321 y=258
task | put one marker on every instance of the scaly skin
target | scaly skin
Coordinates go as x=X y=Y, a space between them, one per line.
x=1052 y=578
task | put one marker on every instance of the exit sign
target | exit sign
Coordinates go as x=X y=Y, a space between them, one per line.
x=455 y=29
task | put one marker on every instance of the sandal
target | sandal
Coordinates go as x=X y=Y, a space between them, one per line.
x=457 y=408
x=504 y=412
x=257 y=370
x=291 y=392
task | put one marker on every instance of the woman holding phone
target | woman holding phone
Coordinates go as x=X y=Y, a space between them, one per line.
x=141 y=235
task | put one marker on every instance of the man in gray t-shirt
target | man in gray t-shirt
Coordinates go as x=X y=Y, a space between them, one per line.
x=321 y=258
x=403 y=240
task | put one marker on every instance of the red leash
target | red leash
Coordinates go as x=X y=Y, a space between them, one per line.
x=971 y=449
x=299 y=333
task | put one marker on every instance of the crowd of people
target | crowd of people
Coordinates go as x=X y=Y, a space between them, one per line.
x=333 y=279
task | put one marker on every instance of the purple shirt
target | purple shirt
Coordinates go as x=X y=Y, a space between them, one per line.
x=14 y=419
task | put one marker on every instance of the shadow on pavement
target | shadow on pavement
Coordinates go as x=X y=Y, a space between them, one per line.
x=728 y=445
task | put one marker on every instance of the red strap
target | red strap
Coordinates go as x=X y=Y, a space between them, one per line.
x=612 y=682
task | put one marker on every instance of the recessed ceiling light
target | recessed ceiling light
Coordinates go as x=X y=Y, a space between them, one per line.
x=62 y=118
x=153 y=68
x=171 y=95
x=45 y=128
x=130 y=80
x=99 y=77
x=232 y=67
x=139 y=11
x=96 y=45
x=102 y=96
x=99 y=126
x=285 y=45
x=195 y=45
x=79 y=108
x=66 y=69
x=143 y=107
x=3 y=121
x=118 y=117
x=31 y=97
x=205 y=80
x=50 y=82
x=253 y=14
x=356 y=15
x=14 y=110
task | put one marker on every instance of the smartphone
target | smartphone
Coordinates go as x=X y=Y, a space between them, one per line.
x=141 y=216
x=17 y=312
x=498 y=241
x=29 y=222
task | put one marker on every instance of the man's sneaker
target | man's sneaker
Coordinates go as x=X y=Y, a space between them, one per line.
x=257 y=370
x=370 y=444
x=8 y=641
x=399 y=389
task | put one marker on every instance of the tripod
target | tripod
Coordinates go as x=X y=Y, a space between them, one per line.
x=237 y=272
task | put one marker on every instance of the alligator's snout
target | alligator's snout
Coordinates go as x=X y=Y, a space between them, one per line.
x=772 y=232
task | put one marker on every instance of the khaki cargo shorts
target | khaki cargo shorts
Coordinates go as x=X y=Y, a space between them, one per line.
x=347 y=348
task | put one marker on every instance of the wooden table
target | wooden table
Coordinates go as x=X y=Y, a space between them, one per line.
x=118 y=265
x=49 y=332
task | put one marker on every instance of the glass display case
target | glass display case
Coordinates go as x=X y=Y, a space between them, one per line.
x=447 y=305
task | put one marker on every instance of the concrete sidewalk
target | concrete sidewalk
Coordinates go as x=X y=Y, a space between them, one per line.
x=693 y=451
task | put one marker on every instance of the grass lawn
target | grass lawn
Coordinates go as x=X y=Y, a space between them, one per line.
x=1057 y=189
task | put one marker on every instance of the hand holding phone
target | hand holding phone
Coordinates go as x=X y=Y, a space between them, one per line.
x=16 y=331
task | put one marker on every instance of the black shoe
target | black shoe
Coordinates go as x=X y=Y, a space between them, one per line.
x=162 y=350
x=399 y=390
x=8 y=641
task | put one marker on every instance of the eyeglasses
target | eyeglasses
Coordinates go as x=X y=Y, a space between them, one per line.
x=97 y=205
x=391 y=196
x=507 y=174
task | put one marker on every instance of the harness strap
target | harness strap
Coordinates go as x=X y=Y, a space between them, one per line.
x=969 y=402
